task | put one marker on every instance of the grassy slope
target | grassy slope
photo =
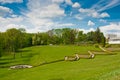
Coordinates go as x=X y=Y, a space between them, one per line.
x=102 y=67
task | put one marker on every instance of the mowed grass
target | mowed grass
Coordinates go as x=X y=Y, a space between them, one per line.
x=102 y=67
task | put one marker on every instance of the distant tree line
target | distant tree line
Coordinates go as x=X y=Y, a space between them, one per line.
x=68 y=36
x=14 y=39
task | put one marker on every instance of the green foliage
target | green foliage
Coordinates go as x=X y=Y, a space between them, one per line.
x=14 y=39
x=96 y=45
x=98 y=36
x=1 y=44
x=40 y=39
x=108 y=45
x=68 y=36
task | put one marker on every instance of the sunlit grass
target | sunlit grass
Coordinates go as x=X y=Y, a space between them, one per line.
x=102 y=67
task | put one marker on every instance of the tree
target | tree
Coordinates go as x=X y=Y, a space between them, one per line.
x=91 y=37
x=80 y=36
x=13 y=40
x=40 y=39
x=55 y=36
x=68 y=36
x=1 y=44
x=98 y=36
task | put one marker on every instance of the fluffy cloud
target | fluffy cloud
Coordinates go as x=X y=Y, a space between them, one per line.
x=39 y=17
x=76 y=5
x=46 y=28
x=78 y=17
x=104 y=15
x=46 y=11
x=42 y=11
x=102 y=20
x=7 y=22
x=69 y=2
x=112 y=28
x=57 y=1
x=90 y=23
x=56 y=11
x=43 y=15
x=4 y=11
x=64 y=25
x=15 y=26
x=93 y=13
x=87 y=30
x=11 y=1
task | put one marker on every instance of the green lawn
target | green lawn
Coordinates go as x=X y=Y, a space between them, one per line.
x=102 y=67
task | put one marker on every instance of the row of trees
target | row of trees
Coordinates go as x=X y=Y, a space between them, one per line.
x=68 y=36
x=14 y=39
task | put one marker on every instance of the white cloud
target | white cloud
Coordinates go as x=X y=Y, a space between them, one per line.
x=87 y=30
x=76 y=5
x=69 y=2
x=55 y=12
x=4 y=11
x=41 y=11
x=57 y=1
x=43 y=15
x=112 y=28
x=90 y=23
x=8 y=26
x=64 y=25
x=102 y=20
x=85 y=10
x=104 y=15
x=46 y=28
x=39 y=17
x=8 y=21
x=11 y=1
x=93 y=13
x=15 y=26
x=98 y=15
x=78 y=17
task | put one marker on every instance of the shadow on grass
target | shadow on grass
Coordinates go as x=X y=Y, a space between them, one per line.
x=3 y=59
x=23 y=51
x=2 y=63
x=7 y=64
x=45 y=63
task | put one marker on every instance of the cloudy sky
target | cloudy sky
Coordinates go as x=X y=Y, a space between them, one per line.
x=43 y=15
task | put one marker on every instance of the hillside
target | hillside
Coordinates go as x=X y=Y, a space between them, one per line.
x=102 y=67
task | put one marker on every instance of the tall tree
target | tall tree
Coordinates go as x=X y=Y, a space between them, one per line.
x=12 y=40
x=98 y=36
x=80 y=36
x=1 y=44
x=91 y=36
x=69 y=36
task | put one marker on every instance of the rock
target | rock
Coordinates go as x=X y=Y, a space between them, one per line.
x=20 y=66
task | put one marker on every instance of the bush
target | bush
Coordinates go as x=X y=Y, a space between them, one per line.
x=108 y=45
x=96 y=45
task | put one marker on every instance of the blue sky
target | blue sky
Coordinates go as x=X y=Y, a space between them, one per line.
x=43 y=15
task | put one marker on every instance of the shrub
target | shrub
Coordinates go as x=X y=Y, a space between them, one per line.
x=108 y=45
x=96 y=45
